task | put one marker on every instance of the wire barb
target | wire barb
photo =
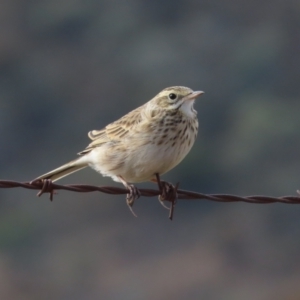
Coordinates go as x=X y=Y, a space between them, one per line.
x=171 y=194
x=46 y=188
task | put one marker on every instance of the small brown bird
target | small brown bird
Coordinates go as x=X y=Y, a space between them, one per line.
x=148 y=141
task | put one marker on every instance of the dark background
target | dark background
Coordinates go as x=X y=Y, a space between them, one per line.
x=70 y=66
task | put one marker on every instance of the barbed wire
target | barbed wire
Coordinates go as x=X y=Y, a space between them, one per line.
x=171 y=194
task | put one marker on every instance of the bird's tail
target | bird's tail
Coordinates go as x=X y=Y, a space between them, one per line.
x=65 y=170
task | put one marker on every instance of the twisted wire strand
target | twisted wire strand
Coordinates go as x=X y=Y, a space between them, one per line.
x=47 y=186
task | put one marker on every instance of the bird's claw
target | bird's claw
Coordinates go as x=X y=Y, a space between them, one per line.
x=168 y=192
x=133 y=195
x=165 y=189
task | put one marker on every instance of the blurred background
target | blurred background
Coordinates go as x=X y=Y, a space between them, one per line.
x=70 y=66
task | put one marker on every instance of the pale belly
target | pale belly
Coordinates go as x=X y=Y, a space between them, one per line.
x=139 y=163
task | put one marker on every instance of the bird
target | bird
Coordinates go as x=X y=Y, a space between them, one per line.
x=143 y=144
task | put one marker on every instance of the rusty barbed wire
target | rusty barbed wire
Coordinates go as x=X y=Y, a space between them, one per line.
x=47 y=186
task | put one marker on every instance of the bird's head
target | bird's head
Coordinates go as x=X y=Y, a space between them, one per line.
x=177 y=98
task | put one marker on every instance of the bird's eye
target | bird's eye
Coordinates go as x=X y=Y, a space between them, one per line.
x=172 y=96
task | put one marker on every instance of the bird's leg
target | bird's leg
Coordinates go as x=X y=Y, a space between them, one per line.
x=168 y=192
x=164 y=188
x=133 y=195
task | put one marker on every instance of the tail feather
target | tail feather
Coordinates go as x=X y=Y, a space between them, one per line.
x=65 y=170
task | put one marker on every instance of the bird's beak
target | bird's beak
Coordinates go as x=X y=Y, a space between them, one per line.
x=193 y=95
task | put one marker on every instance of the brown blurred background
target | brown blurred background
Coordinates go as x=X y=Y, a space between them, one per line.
x=70 y=66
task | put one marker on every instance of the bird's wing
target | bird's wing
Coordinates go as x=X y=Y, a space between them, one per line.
x=115 y=131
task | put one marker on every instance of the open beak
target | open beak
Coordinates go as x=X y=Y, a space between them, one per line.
x=193 y=95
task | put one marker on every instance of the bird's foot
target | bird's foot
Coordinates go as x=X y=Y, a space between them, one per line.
x=168 y=192
x=133 y=195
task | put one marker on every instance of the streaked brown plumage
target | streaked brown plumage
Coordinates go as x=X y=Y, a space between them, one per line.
x=150 y=140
